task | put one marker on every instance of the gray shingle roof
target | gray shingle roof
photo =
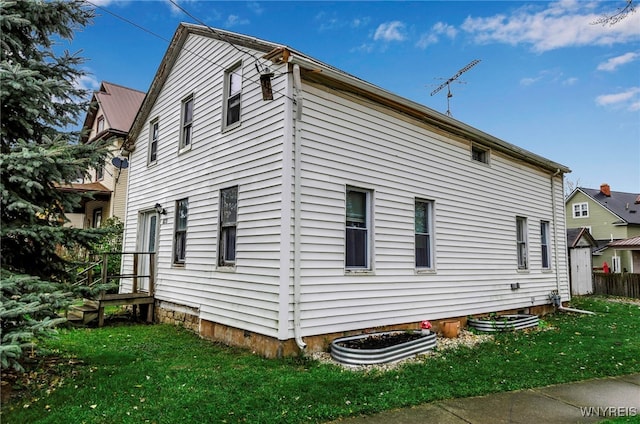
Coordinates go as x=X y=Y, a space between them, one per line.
x=621 y=204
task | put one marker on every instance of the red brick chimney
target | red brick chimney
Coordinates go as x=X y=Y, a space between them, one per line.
x=605 y=189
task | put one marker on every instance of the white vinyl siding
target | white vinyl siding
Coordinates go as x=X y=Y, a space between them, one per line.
x=401 y=160
x=250 y=157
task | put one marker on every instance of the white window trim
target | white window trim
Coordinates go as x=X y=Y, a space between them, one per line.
x=524 y=241
x=174 y=260
x=152 y=124
x=486 y=151
x=227 y=265
x=547 y=247
x=368 y=268
x=182 y=147
x=431 y=233
x=583 y=206
x=225 y=98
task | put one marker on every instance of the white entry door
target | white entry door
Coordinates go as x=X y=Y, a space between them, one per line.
x=581 y=271
x=147 y=242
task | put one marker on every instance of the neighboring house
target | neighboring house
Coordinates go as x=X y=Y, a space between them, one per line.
x=609 y=216
x=113 y=108
x=335 y=207
x=630 y=247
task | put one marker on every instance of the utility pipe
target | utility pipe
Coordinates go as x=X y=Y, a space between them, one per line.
x=297 y=155
x=580 y=311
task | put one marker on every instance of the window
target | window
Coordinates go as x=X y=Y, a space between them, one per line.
x=97 y=218
x=424 y=234
x=153 y=142
x=357 y=228
x=187 y=122
x=180 y=235
x=581 y=210
x=544 y=244
x=521 y=234
x=100 y=173
x=479 y=154
x=100 y=124
x=232 y=97
x=228 y=226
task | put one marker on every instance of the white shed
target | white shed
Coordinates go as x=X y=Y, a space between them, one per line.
x=335 y=207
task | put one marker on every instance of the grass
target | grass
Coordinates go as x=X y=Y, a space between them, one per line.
x=162 y=374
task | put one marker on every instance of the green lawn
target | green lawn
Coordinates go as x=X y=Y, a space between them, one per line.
x=161 y=374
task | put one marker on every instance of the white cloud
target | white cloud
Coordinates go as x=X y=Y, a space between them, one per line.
x=432 y=36
x=529 y=81
x=235 y=20
x=255 y=7
x=570 y=81
x=561 y=24
x=629 y=99
x=615 y=62
x=390 y=31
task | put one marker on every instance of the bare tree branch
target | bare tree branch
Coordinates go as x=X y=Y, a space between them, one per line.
x=621 y=13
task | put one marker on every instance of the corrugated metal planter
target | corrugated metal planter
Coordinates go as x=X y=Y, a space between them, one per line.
x=504 y=322
x=345 y=349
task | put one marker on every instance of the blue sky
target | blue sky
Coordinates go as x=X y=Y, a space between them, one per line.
x=548 y=80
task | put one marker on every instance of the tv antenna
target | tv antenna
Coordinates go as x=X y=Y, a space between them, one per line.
x=448 y=82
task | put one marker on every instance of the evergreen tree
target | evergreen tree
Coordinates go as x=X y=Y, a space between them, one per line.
x=39 y=98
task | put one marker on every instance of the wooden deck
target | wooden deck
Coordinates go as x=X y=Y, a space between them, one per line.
x=92 y=309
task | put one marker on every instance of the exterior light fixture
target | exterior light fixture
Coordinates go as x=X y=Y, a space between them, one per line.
x=158 y=207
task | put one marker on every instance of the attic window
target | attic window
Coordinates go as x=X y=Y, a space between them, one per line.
x=479 y=154
x=100 y=124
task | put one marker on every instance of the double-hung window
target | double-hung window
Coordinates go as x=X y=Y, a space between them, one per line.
x=581 y=210
x=521 y=235
x=232 y=96
x=424 y=234
x=153 y=141
x=358 y=228
x=186 y=132
x=544 y=244
x=228 y=226
x=180 y=234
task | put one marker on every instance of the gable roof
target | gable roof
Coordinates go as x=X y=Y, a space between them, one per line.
x=626 y=206
x=319 y=72
x=574 y=235
x=119 y=106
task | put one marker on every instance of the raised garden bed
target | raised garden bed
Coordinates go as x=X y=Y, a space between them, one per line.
x=504 y=322
x=378 y=348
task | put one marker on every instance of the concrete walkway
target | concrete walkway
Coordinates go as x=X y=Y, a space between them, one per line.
x=581 y=402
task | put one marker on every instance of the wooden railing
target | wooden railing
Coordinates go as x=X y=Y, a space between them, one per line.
x=625 y=284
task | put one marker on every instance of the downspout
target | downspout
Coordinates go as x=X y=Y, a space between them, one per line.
x=555 y=231
x=297 y=155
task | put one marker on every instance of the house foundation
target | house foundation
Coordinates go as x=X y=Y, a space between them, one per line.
x=270 y=347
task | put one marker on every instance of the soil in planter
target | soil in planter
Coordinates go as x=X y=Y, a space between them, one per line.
x=380 y=341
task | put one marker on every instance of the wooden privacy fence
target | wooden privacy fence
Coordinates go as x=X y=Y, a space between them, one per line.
x=627 y=285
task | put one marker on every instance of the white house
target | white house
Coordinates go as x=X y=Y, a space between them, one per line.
x=335 y=207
